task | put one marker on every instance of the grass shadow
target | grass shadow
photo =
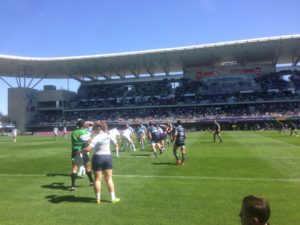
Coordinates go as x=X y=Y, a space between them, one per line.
x=56 y=185
x=141 y=155
x=55 y=199
x=58 y=174
x=163 y=163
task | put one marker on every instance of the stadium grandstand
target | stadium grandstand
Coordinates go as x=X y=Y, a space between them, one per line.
x=248 y=84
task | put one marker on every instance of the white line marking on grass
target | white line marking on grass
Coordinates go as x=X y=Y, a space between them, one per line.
x=178 y=177
x=22 y=175
x=275 y=140
x=133 y=156
x=283 y=157
x=214 y=178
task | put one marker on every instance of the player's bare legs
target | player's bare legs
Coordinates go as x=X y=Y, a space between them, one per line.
x=97 y=185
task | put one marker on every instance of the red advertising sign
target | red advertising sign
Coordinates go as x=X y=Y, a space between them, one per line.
x=255 y=71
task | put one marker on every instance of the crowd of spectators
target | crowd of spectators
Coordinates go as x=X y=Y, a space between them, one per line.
x=160 y=88
x=188 y=99
x=159 y=99
x=48 y=117
x=189 y=112
x=265 y=88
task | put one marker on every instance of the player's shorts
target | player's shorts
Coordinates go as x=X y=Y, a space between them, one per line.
x=154 y=141
x=101 y=162
x=127 y=137
x=162 y=136
x=80 y=159
x=179 y=144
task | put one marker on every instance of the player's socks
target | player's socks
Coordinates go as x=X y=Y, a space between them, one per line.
x=175 y=154
x=117 y=151
x=183 y=158
x=98 y=197
x=133 y=146
x=154 y=154
x=90 y=176
x=113 y=198
x=112 y=195
x=73 y=178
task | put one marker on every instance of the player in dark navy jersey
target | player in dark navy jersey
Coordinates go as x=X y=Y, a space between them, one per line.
x=293 y=129
x=179 y=142
x=154 y=137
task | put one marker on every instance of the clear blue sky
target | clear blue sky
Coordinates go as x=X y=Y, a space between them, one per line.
x=53 y=28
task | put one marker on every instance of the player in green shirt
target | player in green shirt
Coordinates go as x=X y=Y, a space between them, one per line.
x=80 y=138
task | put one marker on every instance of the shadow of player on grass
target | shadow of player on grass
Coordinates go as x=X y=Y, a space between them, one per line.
x=56 y=185
x=58 y=174
x=163 y=163
x=71 y=198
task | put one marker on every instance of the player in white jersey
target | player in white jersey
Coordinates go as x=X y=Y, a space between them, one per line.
x=89 y=128
x=15 y=133
x=65 y=131
x=102 y=161
x=128 y=135
x=55 y=132
x=114 y=134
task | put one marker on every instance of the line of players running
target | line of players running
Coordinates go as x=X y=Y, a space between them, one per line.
x=159 y=136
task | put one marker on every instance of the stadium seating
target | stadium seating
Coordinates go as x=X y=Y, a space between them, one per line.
x=272 y=95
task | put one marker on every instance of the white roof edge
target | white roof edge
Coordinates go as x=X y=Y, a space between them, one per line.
x=274 y=38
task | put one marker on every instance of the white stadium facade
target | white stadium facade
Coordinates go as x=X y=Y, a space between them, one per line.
x=230 y=81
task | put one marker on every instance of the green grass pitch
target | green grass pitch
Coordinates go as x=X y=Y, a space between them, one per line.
x=208 y=189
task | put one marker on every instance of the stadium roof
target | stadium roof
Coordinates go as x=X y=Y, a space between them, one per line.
x=270 y=50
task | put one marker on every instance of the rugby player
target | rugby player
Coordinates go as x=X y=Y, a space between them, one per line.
x=154 y=137
x=293 y=129
x=179 y=142
x=15 y=133
x=217 y=131
x=113 y=134
x=80 y=139
x=142 y=133
x=128 y=135
x=102 y=161
x=55 y=133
